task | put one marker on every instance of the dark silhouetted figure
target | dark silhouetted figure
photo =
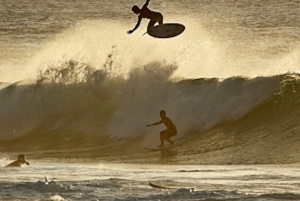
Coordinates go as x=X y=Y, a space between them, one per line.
x=21 y=160
x=171 y=128
x=145 y=12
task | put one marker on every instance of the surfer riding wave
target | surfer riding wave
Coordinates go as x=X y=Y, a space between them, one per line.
x=145 y=12
x=171 y=128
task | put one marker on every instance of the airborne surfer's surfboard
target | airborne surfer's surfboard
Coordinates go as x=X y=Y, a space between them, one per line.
x=167 y=30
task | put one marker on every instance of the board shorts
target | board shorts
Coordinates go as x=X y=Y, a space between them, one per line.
x=169 y=133
x=155 y=18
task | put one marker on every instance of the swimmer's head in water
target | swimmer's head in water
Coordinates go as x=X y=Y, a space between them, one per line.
x=21 y=158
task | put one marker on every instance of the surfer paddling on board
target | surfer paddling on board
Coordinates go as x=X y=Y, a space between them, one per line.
x=171 y=128
x=21 y=160
x=145 y=12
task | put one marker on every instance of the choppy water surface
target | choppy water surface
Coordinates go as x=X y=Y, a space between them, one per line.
x=130 y=182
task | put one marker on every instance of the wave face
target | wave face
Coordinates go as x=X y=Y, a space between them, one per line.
x=75 y=107
x=268 y=134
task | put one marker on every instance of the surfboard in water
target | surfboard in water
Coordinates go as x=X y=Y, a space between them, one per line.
x=159 y=187
x=160 y=148
x=167 y=30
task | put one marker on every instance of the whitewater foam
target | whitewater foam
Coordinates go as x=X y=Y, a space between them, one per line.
x=75 y=94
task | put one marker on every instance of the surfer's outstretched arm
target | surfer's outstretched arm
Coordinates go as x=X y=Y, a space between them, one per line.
x=156 y=123
x=146 y=4
x=136 y=26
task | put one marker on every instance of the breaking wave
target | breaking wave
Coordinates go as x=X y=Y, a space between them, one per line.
x=73 y=107
x=90 y=99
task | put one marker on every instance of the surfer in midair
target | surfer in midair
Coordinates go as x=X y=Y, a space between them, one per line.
x=145 y=12
x=171 y=128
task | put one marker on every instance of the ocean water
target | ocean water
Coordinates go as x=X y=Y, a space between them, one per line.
x=76 y=92
x=90 y=181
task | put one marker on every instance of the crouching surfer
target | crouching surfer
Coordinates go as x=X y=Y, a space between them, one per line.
x=171 y=128
x=20 y=161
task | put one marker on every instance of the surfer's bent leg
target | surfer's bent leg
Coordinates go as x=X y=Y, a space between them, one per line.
x=156 y=18
x=151 y=24
x=163 y=136
x=160 y=19
x=169 y=134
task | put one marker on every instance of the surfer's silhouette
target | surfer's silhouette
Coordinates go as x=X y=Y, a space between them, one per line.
x=145 y=12
x=171 y=128
x=21 y=160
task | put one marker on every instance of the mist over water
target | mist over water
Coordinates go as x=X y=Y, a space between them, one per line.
x=222 y=39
